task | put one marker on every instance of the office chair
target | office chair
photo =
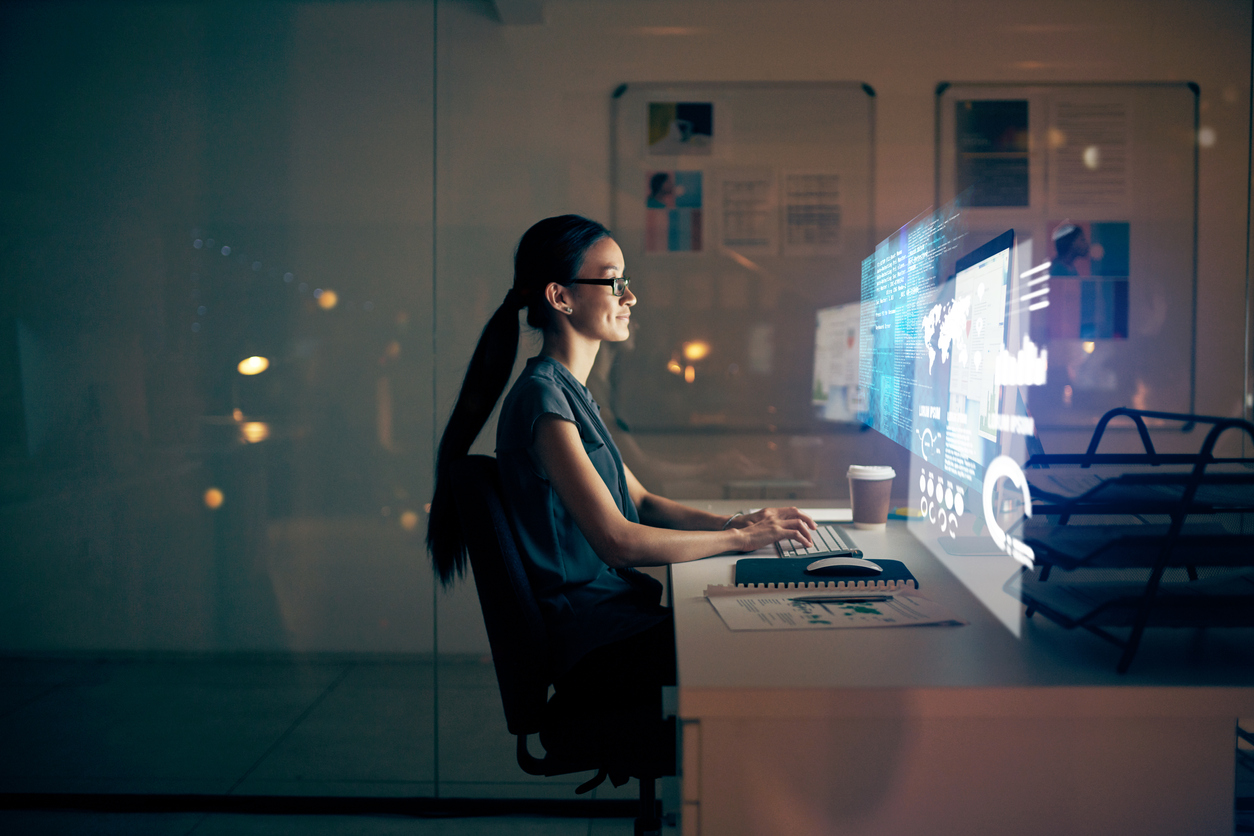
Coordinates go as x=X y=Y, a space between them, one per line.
x=574 y=740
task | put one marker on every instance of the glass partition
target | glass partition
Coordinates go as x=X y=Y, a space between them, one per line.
x=217 y=354
x=246 y=251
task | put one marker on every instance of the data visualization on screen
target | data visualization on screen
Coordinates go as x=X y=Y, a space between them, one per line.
x=946 y=361
x=898 y=285
x=963 y=333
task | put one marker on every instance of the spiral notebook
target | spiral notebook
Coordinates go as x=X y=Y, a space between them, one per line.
x=789 y=573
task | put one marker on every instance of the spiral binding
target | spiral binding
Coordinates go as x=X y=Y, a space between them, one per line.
x=851 y=584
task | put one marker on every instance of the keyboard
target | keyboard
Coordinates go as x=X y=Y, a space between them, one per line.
x=827 y=539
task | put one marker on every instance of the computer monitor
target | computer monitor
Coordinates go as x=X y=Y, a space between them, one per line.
x=945 y=354
x=836 y=394
x=962 y=334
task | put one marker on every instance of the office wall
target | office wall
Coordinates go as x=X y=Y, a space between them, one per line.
x=323 y=139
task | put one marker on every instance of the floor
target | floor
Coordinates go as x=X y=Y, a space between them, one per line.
x=283 y=727
x=255 y=726
x=183 y=824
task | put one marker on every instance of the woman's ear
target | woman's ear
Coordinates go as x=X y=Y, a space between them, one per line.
x=559 y=297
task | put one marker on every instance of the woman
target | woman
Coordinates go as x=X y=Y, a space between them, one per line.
x=583 y=520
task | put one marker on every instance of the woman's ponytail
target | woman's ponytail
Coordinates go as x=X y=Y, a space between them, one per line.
x=551 y=251
x=489 y=371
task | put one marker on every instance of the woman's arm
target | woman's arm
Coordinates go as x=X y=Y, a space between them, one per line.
x=667 y=513
x=620 y=542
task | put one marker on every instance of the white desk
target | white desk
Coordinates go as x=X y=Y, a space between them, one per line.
x=951 y=730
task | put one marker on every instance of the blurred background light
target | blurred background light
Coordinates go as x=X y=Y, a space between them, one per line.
x=255 y=431
x=696 y=350
x=328 y=299
x=213 y=499
x=253 y=365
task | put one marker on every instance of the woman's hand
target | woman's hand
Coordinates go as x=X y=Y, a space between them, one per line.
x=761 y=528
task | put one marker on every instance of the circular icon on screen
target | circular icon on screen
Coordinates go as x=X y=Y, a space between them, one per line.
x=1004 y=467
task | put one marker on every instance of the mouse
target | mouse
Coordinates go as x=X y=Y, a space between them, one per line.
x=843 y=566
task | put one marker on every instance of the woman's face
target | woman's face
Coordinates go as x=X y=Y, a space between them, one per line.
x=598 y=313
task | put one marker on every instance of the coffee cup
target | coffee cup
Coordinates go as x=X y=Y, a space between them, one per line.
x=870 y=490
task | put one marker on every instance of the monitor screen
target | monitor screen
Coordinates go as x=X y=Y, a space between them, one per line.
x=963 y=332
x=971 y=423
x=836 y=394
x=898 y=285
x=945 y=354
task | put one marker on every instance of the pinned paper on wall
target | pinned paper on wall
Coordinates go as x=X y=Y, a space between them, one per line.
x=748 y=211
x=681 y=129
x=1088 y=144
x=992 y=144
x=811 y=213
x=673 y=212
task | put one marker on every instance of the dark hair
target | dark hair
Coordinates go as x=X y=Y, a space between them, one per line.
x=551 y=251
x=657 y=181
x=1064 y=242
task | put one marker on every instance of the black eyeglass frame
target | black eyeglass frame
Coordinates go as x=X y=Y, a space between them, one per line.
x=612 y=283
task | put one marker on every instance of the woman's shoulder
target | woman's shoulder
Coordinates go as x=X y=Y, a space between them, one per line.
x=540 y=388
x=538 y=376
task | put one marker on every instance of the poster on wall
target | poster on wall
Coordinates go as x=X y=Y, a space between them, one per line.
x=1088 y=146
x=1088 y=280
x=673 y=216
x=992 y=144
x=748 y=211
x=681 y=129
x=811 y=213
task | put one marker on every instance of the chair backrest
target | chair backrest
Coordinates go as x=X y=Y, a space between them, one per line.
x=516 y=632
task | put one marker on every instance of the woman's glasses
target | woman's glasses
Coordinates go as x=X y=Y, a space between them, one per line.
x=618 y=285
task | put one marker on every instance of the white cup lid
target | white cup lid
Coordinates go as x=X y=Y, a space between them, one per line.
x=871 y=473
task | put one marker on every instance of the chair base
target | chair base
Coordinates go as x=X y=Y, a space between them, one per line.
x=649 y=822
x=649 y=819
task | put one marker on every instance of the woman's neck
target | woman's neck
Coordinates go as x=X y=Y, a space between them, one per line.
x=574 y=352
